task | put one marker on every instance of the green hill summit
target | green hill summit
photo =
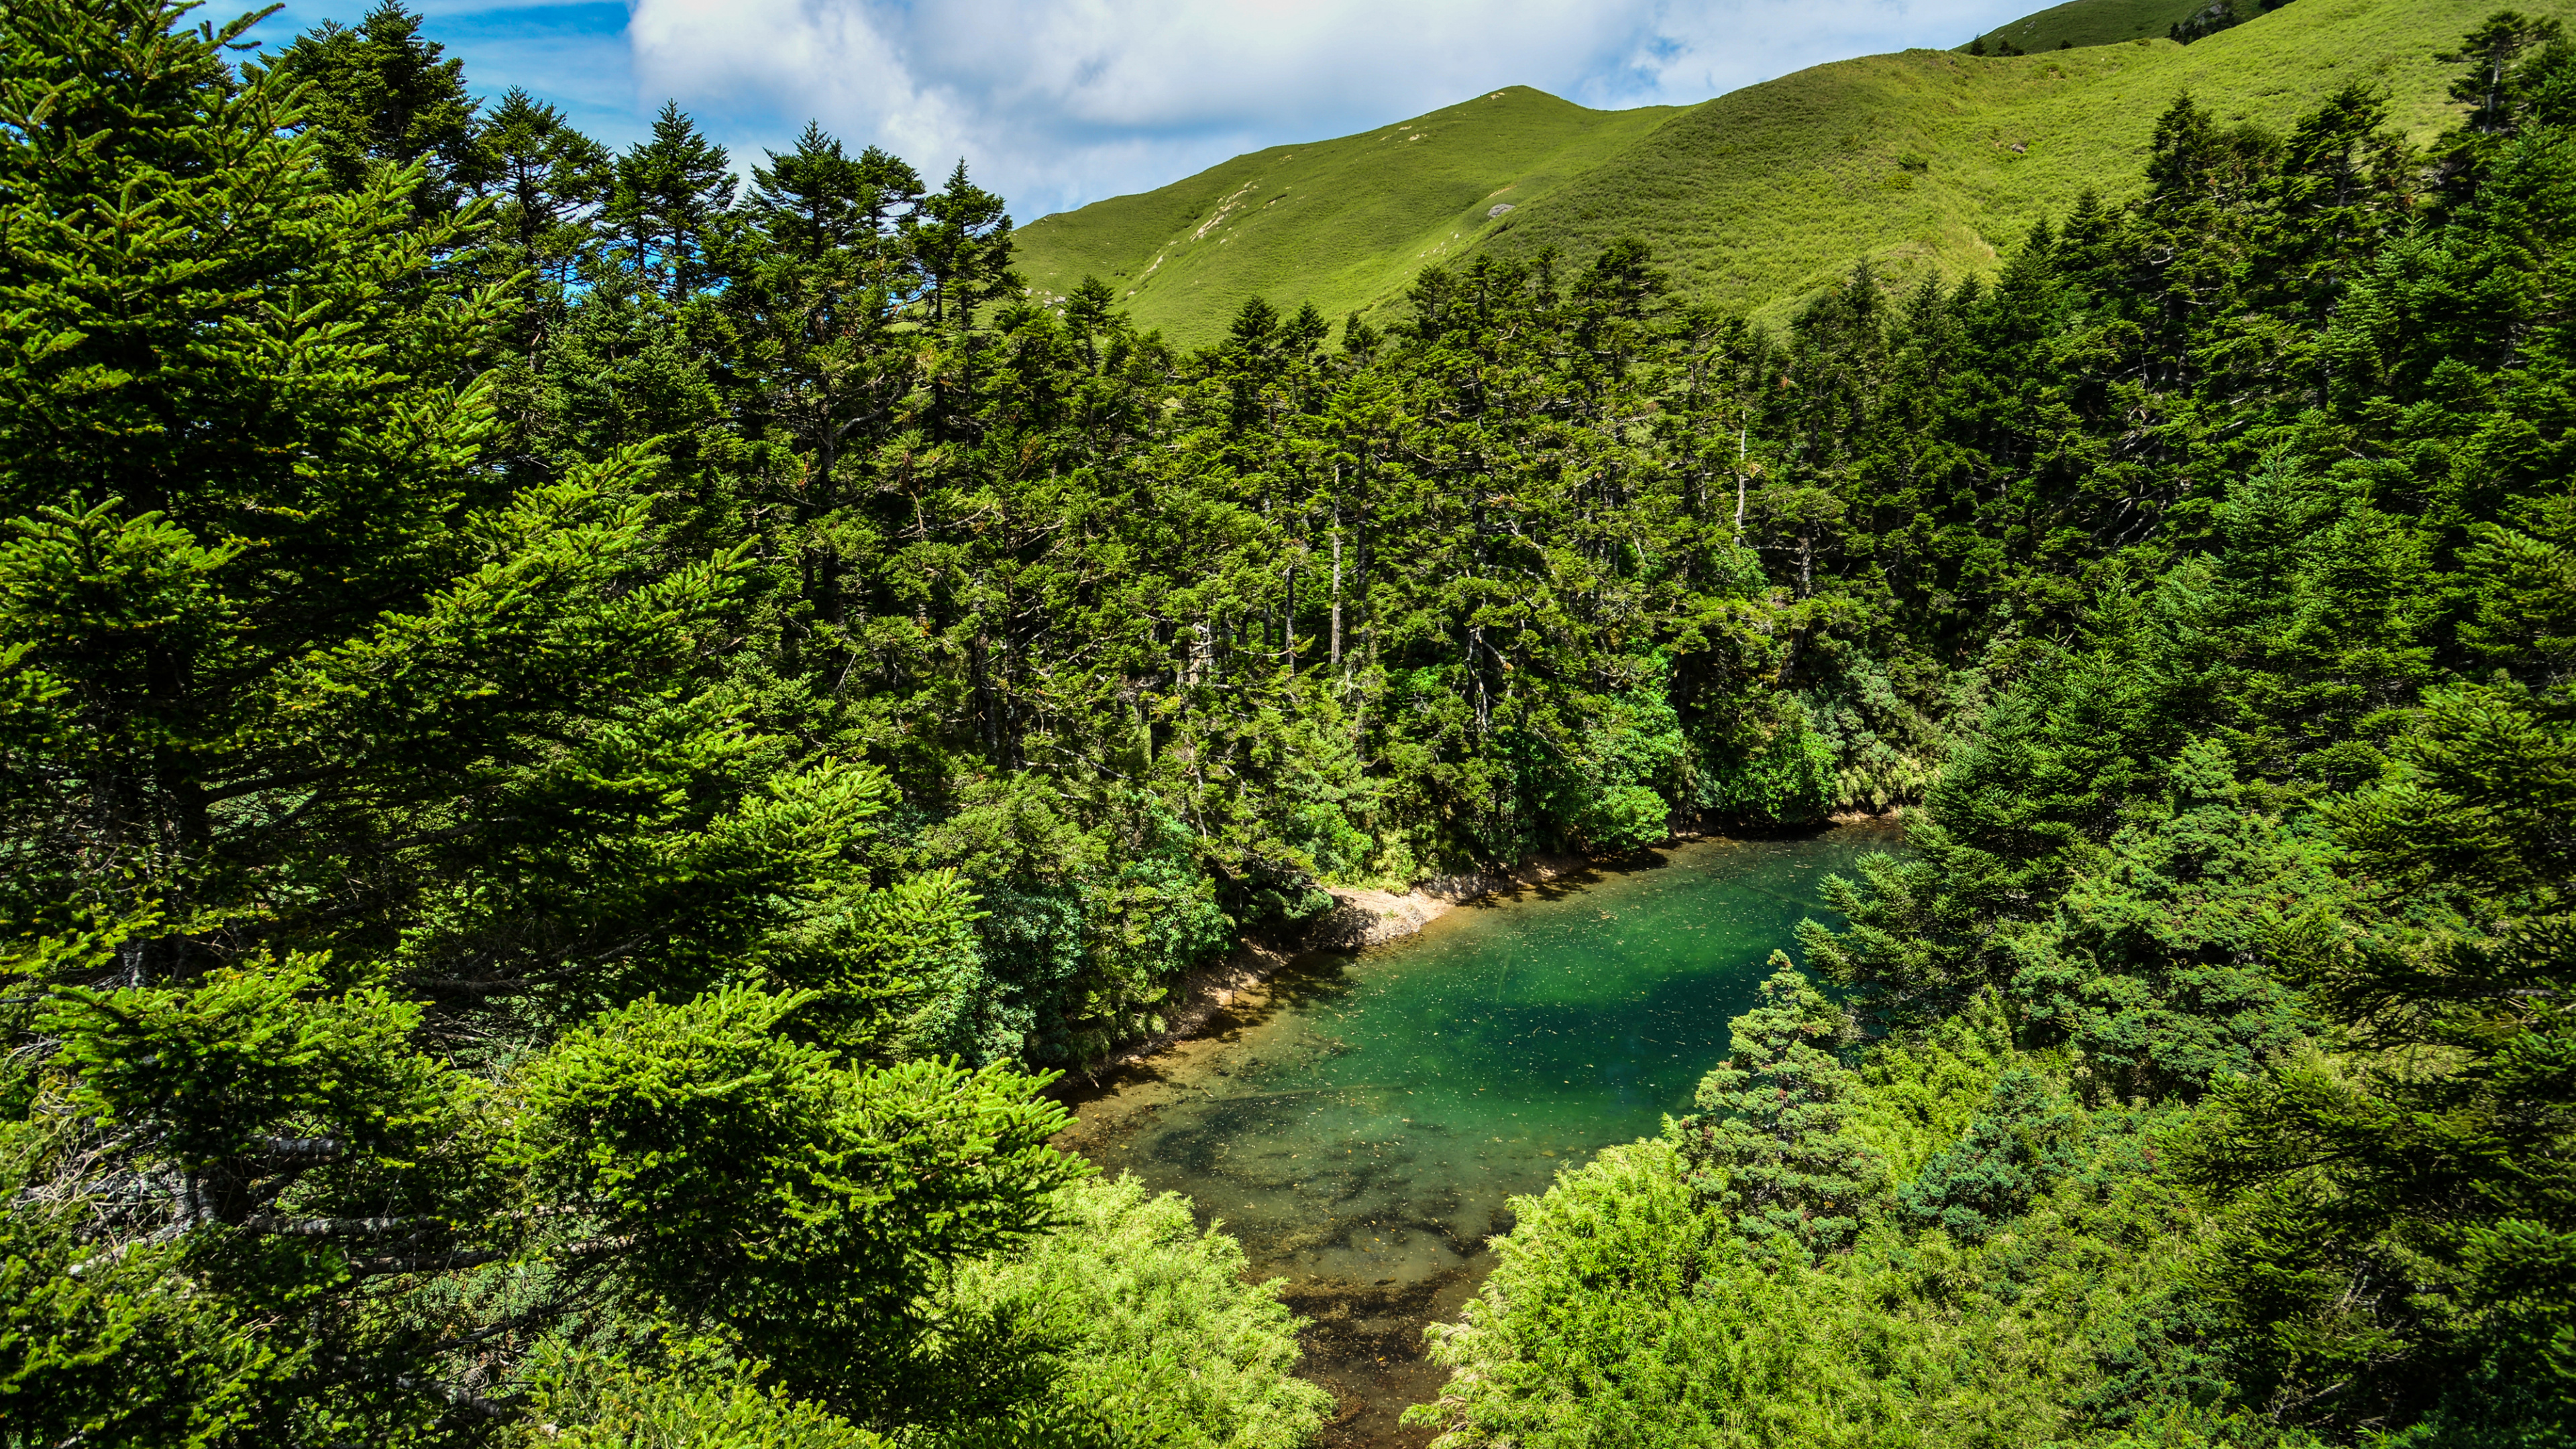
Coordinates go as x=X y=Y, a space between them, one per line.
x=1344 y=221
x=1922 y=162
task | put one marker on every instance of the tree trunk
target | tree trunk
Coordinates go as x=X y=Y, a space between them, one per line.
x=1337 y=591
x=1740 y=435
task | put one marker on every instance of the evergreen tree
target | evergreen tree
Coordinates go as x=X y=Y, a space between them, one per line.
x=550 y=182
x=2026 y=1137
x=413 y=953
x=1768 y=1147
x=451 y=920
x=671 y=204
x=962 y=243
x=2410 y=1217
x=816 y=199
x=2492 y=87
x=2492 y=51
x=384 y=94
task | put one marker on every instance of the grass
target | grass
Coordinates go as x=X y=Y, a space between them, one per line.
x=1920 y=163
x=1932 y=162
x=1341 y=222
x=2095 y=22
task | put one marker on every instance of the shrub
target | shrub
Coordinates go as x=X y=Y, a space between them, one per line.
x=1140 y=1328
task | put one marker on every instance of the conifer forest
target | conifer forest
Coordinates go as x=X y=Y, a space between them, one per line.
x=588 y=736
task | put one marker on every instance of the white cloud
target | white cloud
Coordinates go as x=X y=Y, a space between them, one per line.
x=1059 y=102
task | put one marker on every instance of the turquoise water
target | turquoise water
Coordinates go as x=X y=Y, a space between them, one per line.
x=1362 y=1125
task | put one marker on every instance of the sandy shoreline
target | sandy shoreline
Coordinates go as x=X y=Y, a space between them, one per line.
x=1358 y=919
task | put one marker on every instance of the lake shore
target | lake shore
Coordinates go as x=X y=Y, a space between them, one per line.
x=1361 y=1123
x=1361 y=918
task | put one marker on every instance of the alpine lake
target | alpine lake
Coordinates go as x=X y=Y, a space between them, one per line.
x=1362 y=1122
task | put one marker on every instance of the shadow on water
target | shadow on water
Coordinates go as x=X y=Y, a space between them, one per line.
x=1362 y=1124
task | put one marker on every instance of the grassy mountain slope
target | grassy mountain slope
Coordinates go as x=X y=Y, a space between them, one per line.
x=2093 y=22
x=1921 y=162
x=1342 y=222
x=1931 y=161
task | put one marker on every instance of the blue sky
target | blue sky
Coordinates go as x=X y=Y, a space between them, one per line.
x=1055 y=103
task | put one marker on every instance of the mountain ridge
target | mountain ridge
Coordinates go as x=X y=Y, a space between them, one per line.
x=1390 y=213
x=1921 y=162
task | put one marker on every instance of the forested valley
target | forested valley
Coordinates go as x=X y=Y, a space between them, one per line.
x=586 y=733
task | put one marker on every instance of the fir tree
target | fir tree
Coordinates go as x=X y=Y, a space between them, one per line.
x=376 y=839
x=550 y=182
x=1767 y=1145
x=672 y=200
x=384 y=94
x=963 y=247
x=2409 y=1217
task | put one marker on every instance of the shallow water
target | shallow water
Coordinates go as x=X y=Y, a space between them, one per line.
x=1362 y=1123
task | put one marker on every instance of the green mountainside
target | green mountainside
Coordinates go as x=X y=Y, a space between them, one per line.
x=1923 y=161
x=1345 y=221
x=2093 y=22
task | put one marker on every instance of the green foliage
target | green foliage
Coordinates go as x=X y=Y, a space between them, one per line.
x=246 y=1053
x=754 y=1186
x=1139 y=1330
x=417 y=951
x=2008 y=1156
x=1915 y=1094
x=1074 y=954
x=671 y=195
x=562 y=754
x=1768 y=1145
x=75 y=1320
x=1627 y=764
x=2152 y=971
x=2426 y=1161
x=2007 y=142
x=2227 y=1089
x=599 y=1404
x=383 y=94
x=547 y=179
x=1605 y=1255
x=1621 y=1312
x=1782 y=774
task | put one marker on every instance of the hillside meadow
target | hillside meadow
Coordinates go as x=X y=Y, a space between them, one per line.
x=1923 y=163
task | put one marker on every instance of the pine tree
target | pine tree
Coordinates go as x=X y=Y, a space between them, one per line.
x=1766 y=1145
x=384 y=94
x=378 y=836
x=671 y=204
